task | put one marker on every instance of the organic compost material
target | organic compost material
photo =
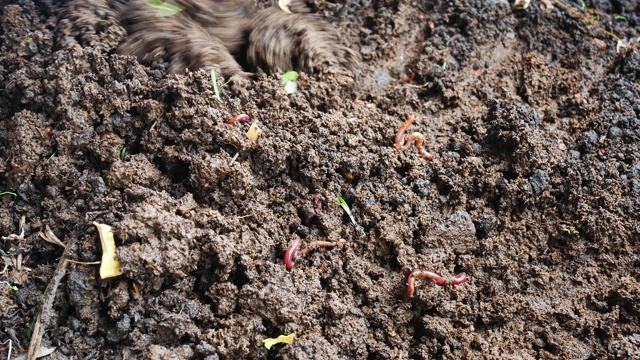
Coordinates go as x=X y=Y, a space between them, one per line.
x=532 y=118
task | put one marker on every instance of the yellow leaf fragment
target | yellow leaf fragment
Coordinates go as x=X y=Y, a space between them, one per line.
x=284 y=5
x=254 y=132
x=288 y=339
x=110 y=265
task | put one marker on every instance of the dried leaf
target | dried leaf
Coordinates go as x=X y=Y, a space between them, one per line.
x=284 y=5
x=110 y=266
x=254 y=132
x=43 y=351
x=268 y=343
x=521 y=4
x=49 y=236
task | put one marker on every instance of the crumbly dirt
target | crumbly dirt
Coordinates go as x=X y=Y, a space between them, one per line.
x=533 y=119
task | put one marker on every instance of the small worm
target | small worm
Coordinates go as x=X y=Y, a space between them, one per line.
x=411 y=281
x=292 y=251
x=414 y=139
x=239 y=118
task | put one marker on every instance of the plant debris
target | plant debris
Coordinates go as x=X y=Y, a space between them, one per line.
x=110 y=265
x=288 y=339
x=254 y=132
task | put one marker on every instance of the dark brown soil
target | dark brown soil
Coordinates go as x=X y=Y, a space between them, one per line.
x=534 y=190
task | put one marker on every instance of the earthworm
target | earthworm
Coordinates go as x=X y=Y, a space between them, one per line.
x=415 y=138
x=411 y=281
x=292 y=251
x=316 y=199
x=239 y=118
x=321 y=244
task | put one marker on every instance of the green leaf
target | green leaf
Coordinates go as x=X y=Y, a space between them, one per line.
x=164 y=8
x=214 y=81
x=289 y=76
x=8 y=193
x=345 y=206
x=620 y=17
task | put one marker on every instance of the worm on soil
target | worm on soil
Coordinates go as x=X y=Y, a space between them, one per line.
x=292 y=251
x=239 y=118
x=411 y=281
x=415 y=138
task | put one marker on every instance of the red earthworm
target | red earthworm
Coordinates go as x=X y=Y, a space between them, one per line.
x=408 y=79
x=292 y=251
x=399 y=140
x=316 y=199
x=321 y=244
x=411 y=281
x=239 y=118
x=415 y=138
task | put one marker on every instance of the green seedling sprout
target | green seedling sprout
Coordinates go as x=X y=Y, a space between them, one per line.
x=54 y=154
x=8 y=193
x=214 y=81
x=38 y=312
x=594 y=18
x=582 y=5
x=621 y=17
x=345 y=206
x=289 y=81
x=164 y=8
x=123 y=153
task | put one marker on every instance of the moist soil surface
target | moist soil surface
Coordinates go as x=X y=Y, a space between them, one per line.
x=533 y=120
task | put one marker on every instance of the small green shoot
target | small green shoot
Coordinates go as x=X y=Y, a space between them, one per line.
x=10 y=154
x=620 y=17
x=12 y=287
x=38 y=312
x=582 y=5
x=54 y=154
x=289 y=81
x=345 y=206
x=214 y=81
x=8 y=193
x=123 y=153
x=444 y=66
x=164 y=8
x=594 y=18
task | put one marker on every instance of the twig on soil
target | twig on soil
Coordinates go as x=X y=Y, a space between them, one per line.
x=411 y=286
x=416 y=137
x=233 y=159
x=45 y=313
